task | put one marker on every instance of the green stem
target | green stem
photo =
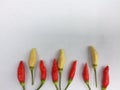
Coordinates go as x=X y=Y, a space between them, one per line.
x=60 y=76
x=56 y=86
x=87 y=83
x=31 y=70
x=23 y=85
x=42 y=82
x=95 y=76
x=103 y=88
x=69 y=81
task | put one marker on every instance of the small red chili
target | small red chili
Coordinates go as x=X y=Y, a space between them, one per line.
x=43 y=70
x=55 y=73
x=71 y=74
x=43 y=73
x=21 y=74
x=72 y=71
x=105 y=80
x=85 y=75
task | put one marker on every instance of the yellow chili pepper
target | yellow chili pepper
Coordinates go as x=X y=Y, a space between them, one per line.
x=32 y=62
x=61 y=59
x=94 y=57
x=61 y=63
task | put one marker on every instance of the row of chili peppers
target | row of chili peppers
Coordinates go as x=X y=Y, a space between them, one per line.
x=57 y=69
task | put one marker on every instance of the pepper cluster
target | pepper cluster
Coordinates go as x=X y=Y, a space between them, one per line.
x=57 y=69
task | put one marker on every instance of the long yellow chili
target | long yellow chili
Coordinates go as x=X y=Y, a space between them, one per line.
x=32 y=62
x=94 y=57
x=61 y=63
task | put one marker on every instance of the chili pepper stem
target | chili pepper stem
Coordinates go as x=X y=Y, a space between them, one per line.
x=56 y=85
x=69 y=81
x=31 y=70
x=103 y=88
x=42 y=82
x=23 y=85
x=87 y=83
x=95 y=76
x=60 y=76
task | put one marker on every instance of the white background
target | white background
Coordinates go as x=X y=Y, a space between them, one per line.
x=49 y=25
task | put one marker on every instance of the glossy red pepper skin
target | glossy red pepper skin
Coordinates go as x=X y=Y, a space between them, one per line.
x=105 y=80
x=55 y=71
x=71 y=74
x=72 y=71
x=43 y=70
x=21 y=72
x=85 y=75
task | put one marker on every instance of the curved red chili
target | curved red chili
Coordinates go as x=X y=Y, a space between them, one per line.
x=85 y=75
x=21 y=74
x=71 y=74
x=105 y=80
x=72 y=71
x=43 y=73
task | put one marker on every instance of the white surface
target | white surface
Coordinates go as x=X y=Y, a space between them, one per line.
x=50 y=25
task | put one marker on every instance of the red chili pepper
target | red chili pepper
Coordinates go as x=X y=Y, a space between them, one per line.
x=43 y=70
x=43 y=73
x=72 y=71
x=71 y=74
x=21 y=74
x=105 y=80
x=55 y=73
x=85 y=75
